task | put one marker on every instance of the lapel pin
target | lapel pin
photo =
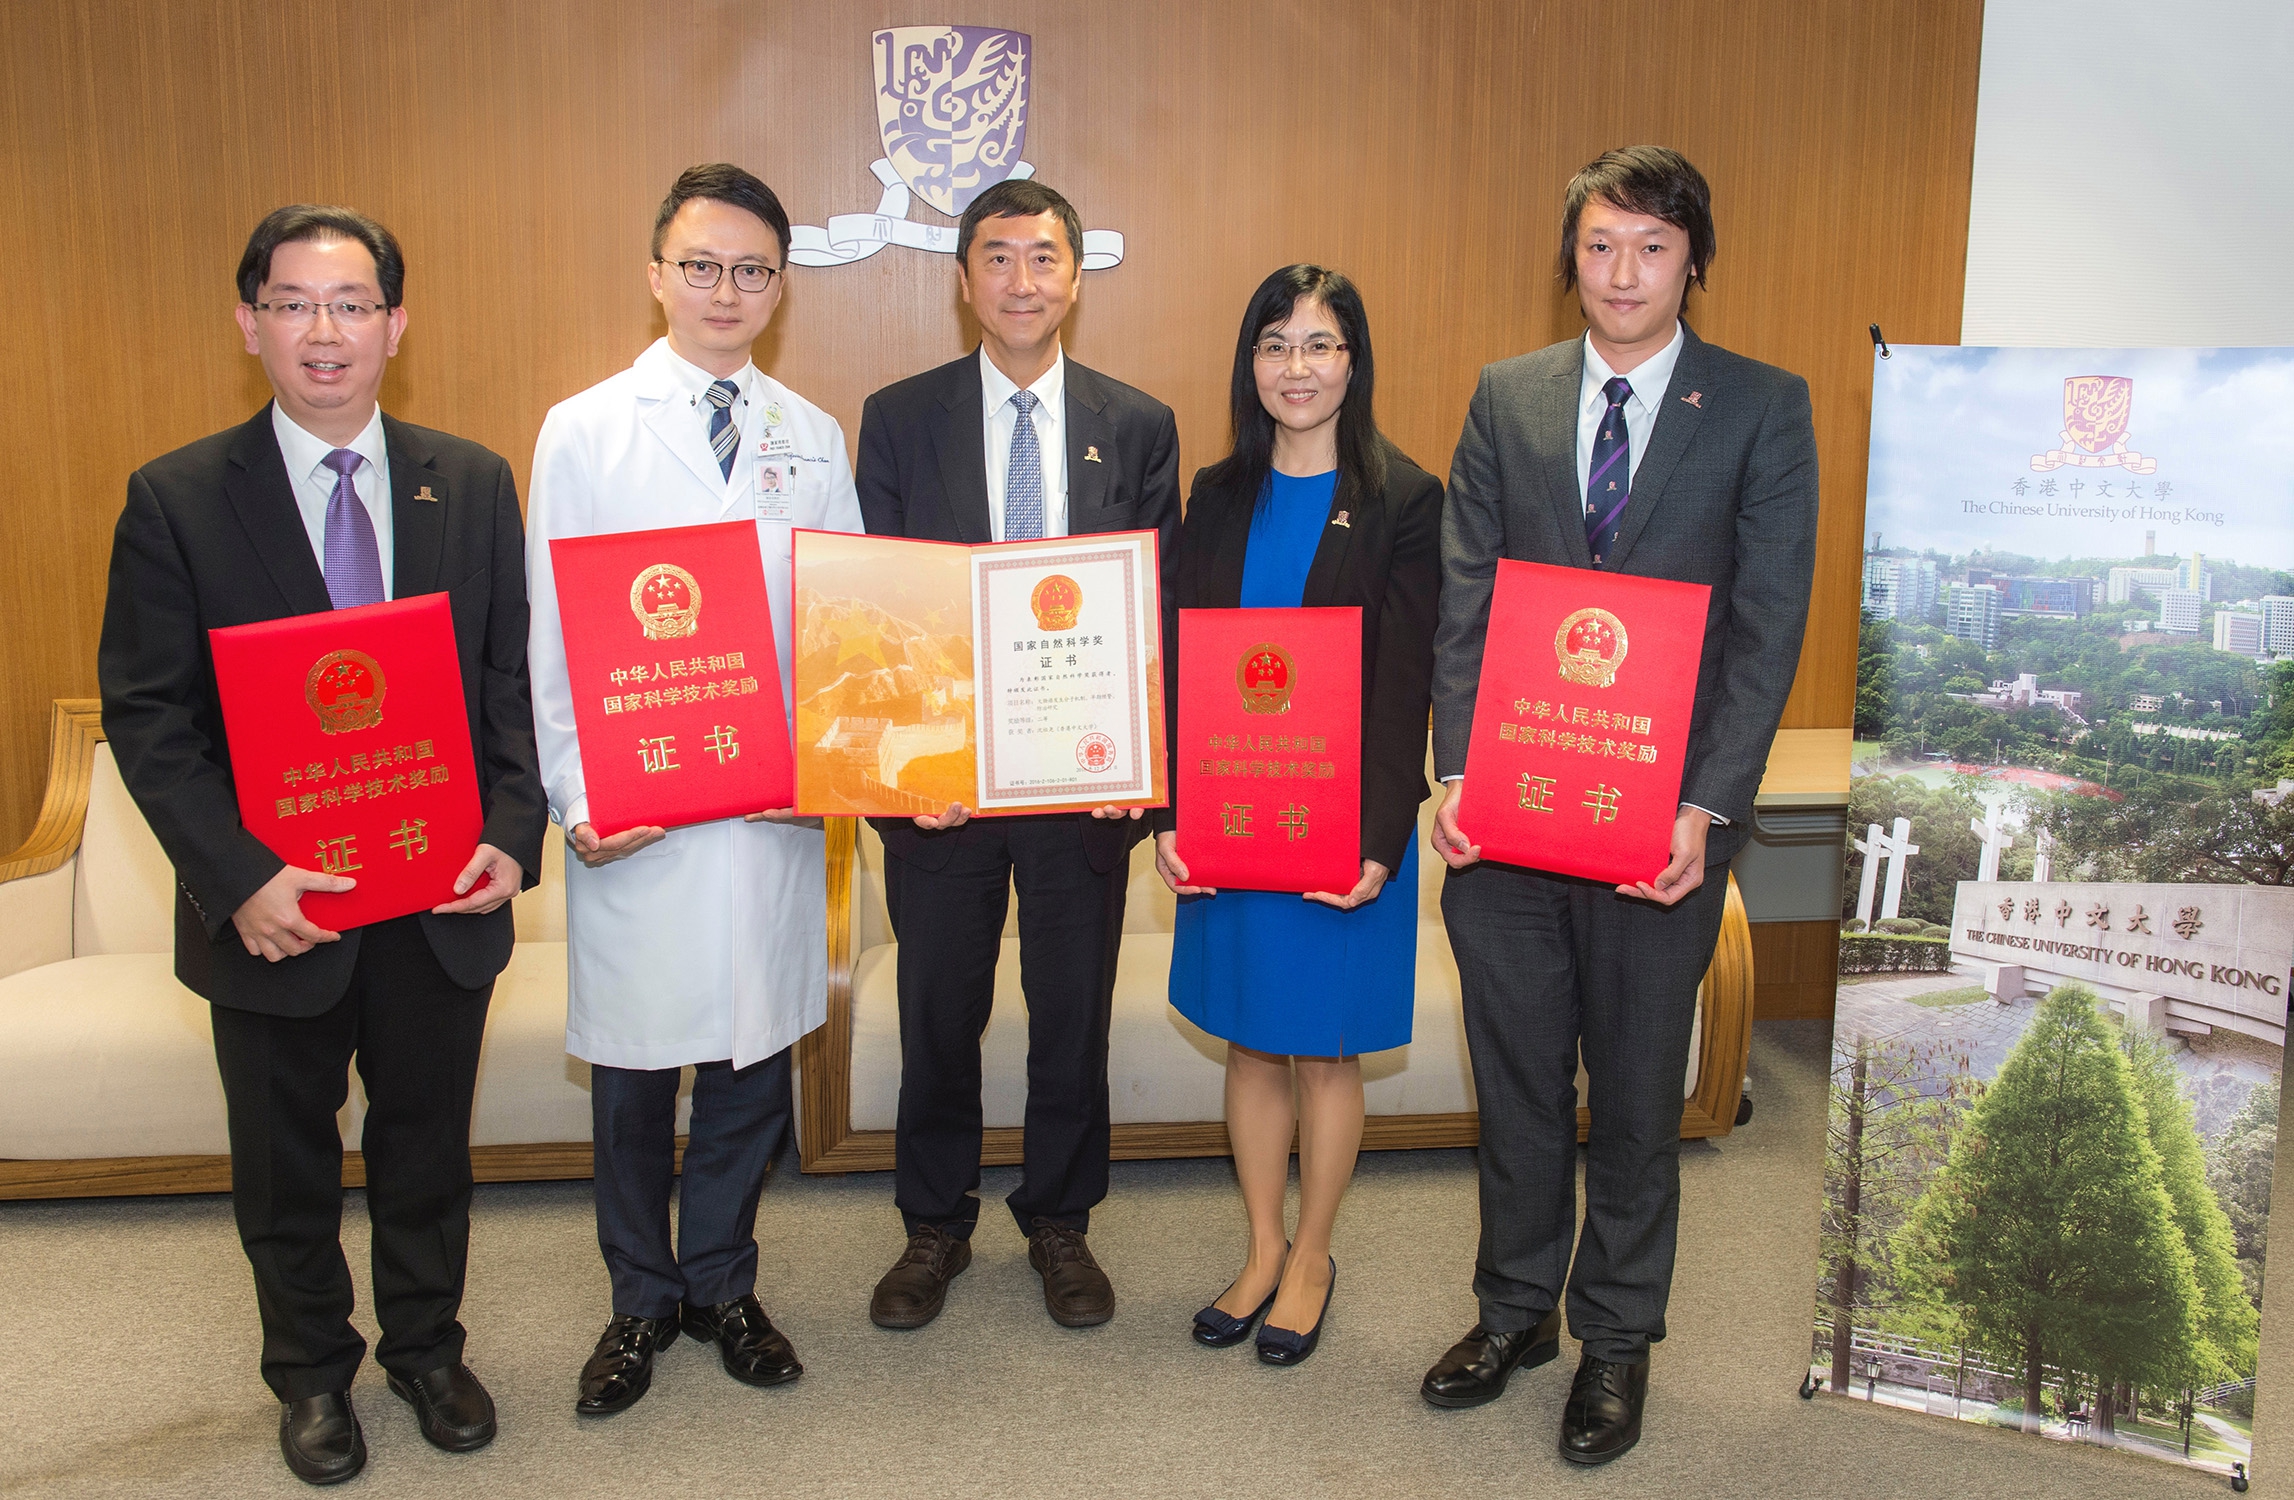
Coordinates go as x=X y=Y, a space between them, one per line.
x=1340 y=520
x=1091 y=455
x=1695 y=399
x=424 y=494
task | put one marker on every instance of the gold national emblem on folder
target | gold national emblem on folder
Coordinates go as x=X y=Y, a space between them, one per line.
x=667 y=602
x=1590 y=646
x=1266 y=675
x=345 y=690
x=1056 y=601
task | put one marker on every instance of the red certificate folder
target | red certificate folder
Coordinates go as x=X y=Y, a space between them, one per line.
x=1582 y=719
x=676 y=685
x=350 y=745
x=1269 y=782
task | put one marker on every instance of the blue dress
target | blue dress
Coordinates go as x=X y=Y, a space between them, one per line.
x=1270 y=970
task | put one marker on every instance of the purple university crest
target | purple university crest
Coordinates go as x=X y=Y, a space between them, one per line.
x=952 y=111
x=953 y=104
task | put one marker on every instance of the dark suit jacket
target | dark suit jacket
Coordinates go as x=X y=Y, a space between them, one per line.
x=211 y=537
x=1725 y=497
x=1387 y=560
x=923 y=473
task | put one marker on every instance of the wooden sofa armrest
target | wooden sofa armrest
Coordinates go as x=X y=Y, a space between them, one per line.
x=35 y=883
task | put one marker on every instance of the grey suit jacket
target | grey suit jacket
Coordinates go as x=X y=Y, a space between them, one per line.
x=1726 y=496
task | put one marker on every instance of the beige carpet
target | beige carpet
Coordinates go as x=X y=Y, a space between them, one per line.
x=127 y=1328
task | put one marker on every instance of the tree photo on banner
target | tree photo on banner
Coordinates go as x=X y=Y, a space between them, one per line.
x=2068 y=917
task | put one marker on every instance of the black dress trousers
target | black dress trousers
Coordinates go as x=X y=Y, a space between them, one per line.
x=1553 y=968
x=949 y=922
x=414 y=1034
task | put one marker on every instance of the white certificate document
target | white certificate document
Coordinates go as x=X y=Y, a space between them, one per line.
x=1064 y=650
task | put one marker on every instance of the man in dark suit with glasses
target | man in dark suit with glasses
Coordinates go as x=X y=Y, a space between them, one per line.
x=320 y=501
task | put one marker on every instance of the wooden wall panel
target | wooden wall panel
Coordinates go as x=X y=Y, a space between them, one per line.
x=517 y=150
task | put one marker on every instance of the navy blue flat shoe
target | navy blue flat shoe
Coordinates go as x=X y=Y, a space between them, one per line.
x=1216 y=1329
x=1280 y=1346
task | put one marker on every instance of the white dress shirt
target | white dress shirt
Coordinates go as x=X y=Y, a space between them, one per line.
x=1648 y=379
x=315 y=484
x=1002 y=419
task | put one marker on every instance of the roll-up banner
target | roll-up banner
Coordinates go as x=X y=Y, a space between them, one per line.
x=2068 y=917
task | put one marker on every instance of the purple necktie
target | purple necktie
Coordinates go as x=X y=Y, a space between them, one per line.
x=354 y=563
x=1609 y=482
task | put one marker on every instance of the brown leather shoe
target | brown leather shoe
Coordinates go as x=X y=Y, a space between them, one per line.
x=911 y=1293
x=1076 y=1292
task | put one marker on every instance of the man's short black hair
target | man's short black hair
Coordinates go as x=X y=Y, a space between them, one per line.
x=1018 y=198
x=1653 y=180
x=299 y=222
x=722 y=182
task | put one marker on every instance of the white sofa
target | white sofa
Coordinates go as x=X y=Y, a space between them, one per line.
x=105 y=1058
x=107 y=1071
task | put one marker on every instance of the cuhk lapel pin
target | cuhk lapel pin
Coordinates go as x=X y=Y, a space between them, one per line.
x=1695 y=399
x=1091 y=455
x=1340 y=520
x=424 y=494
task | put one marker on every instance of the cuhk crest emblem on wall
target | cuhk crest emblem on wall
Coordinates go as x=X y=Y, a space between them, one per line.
x=2096 y=412
x=953 y=105
x=952 y=110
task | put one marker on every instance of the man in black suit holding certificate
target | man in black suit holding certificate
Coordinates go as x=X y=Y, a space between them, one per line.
x=1641 y=449
x=322 y=502
x=1009 y=443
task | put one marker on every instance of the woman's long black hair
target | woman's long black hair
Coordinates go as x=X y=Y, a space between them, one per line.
x=1361 y=450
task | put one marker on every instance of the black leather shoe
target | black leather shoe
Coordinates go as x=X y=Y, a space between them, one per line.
x=911 y=1292
x=1281 y=1346
x=457 y=1415
x=1603 y=1417
x=620 y=1369
x=1076 y=1292
x=1478 y=1365
x=754 y=1351
x=320 y=1439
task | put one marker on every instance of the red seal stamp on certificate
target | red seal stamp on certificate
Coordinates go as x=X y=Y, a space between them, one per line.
x=1095 y=753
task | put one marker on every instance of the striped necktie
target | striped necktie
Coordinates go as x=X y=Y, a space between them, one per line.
x=353 y=560
x=724 y=433
x=1609 y=482
x=1023 y=481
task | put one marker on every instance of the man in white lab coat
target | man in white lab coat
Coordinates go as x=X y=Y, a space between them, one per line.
x=705 y=946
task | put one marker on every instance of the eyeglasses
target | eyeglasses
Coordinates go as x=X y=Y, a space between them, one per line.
x=1318 y=351
x=300 y=314
x=704 y=274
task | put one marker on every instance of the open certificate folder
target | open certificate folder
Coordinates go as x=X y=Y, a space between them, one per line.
x=1013 y=677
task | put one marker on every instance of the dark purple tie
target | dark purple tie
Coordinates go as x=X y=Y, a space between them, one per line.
x=354 y=563
x=1609 y=477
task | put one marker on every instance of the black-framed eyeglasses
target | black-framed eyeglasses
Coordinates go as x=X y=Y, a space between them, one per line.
x=1318 y=351
x=747 y=276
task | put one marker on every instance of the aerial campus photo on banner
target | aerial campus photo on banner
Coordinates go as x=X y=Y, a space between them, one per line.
x=2067 y=919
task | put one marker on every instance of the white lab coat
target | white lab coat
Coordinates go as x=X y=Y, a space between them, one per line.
x=713 y=943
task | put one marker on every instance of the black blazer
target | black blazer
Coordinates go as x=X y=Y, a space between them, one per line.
x=1384 y=555
x=211 y=537
x=923 y=473
x=1726 y=497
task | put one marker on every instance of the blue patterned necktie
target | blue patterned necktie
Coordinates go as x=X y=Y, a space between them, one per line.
x=1609 y=482
x=724 y=433
x=354 y=562
x=1023 y=481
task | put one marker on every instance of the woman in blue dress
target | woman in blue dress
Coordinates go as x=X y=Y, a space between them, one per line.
x=1313 y=507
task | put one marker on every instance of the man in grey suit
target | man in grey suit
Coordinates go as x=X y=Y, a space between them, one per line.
x=1637 y=448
